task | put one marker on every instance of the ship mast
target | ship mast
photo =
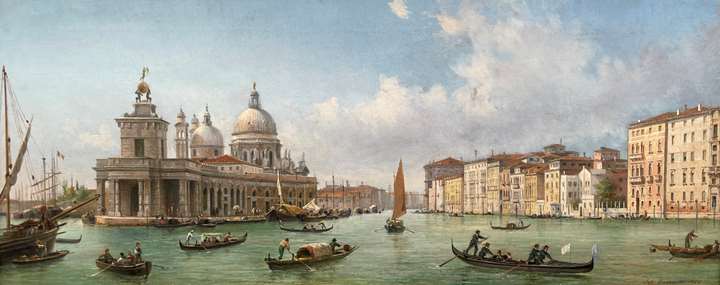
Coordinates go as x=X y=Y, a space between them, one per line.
x=7 y=143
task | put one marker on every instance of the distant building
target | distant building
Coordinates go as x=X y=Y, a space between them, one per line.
x=568 y=165
x=569 y=193
x=415 y=200
x=534 y=191
x=608 y=158
x=347 y=196
x=433 y=170
x=588 y=179
x=453 y=194
x=475 y=174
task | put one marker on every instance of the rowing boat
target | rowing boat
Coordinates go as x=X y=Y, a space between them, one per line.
x=695 y=252
x=552 y=267
x=310 y=254
x=35 y=259
x=307 y=230
x=68 y=240
x=142 y=268
x=510 y=227
x=206 y=246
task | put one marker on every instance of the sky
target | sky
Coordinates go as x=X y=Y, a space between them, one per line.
x=359 y=85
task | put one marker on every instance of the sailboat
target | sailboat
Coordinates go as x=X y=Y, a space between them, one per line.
x=394 y=224
x=24 y=237
x=284 y=211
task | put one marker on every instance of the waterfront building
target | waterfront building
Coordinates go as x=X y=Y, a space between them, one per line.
x=588 y=178
x=415 y=200
x=517 y=188
x=608 y=158
x=348 y=196
x=475 y=174
x=673 y=159
x=563 y=165
x=436 y=169
x=498 y=181
x=453 y=188
x=143 y=182
x=534 y=196
x=569 y=193
x=436 y=201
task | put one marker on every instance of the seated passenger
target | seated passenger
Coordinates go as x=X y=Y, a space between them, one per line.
x=485 y=251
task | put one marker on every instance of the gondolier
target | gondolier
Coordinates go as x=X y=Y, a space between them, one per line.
x=474 y=242
x=284 y=245
x=689 y=237
x=189 y=236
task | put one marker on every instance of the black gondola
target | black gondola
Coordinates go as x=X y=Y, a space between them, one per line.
x=142 y=268
x=275 y=264
x=510 y=227
x=696 y=252
x=201 y=246
x=308 y=230
x=553 y=267
x=68 y=240
x=35 y=259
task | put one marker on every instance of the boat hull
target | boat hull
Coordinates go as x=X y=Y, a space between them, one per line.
x=307 y=231
x=275 y=264
x=556 y=267
x=217 y=245
x=139 y=269
x=682 y=252
x=50 y=256
x=11 y=248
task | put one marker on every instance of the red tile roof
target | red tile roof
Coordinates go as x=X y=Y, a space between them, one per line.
x=445 y=162
x=667 y=116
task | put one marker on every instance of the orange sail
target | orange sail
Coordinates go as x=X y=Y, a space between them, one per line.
x=399 y=186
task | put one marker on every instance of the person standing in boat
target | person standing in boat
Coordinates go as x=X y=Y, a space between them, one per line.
x=189 y=237
x=334 y=244
x=284 y=245
x=474 y=242
x=690 y=237
x=138 y=252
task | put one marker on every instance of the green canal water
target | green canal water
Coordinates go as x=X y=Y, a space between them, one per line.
x=409 y=258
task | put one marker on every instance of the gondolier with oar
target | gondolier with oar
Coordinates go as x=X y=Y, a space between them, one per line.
x=284 y=245
x=690 y=237
x=474 y=242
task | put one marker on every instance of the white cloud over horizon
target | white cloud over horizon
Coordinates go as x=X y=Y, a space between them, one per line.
x=399 y=8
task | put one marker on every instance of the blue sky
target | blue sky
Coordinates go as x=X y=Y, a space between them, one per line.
x=354 y=84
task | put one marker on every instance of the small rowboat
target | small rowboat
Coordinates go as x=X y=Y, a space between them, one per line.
x=207 y=225
x=176 y=225
x=695 y=252
x=510 y=227
x=298 y=262
x=317 y=230
x=35 y=259
x=554 y=267
x=142 y=268
x=201 y=246
x=656 y=247
x=68 y=240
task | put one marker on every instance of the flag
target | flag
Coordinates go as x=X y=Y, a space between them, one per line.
x=565 y=249
x=60 y=155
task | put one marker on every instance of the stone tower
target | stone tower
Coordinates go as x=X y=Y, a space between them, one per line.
x=143 y=133
x=181 y=136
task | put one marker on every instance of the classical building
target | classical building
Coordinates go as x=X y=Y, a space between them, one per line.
x=441 y=168
x=347 y=196
x=534 y=190
x=453 y=192
x=143 y=182
x=566 y=165
x=588 y=179
x=569 y=193
x=673 y=163
x=475 y=174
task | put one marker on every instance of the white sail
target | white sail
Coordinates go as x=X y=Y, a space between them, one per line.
x=16 y=166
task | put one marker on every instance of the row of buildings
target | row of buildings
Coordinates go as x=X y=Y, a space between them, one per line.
x=363 y=196
x=553 y=181
x=671 y=170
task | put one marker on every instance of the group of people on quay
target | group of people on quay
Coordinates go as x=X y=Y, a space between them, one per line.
x=536 y=256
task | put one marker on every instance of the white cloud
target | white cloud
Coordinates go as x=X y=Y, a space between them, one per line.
x=399 y=8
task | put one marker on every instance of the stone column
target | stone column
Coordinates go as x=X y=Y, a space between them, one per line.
x=183 y=192
x=141 y=198
x=116 y=197
x=208 y=203
x=147 y=200
x=101 y=191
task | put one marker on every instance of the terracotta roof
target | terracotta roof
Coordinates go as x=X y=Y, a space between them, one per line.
x=223 y=159
x=667 y=116
x=537 y=168
x=575 y=158
x=445 y=162
x=602 y=149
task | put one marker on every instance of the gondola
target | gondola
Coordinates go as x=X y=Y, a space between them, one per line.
x=696 y=252
x=317 y=230
x=312 y=218
x=68 y=240
x=170 y=226
x=143 y=268
x=207 y=225
x=554 y=267
x=35 y=259
x=656 y=247
x=304 y=262
x=200 y=246
x=512 y=228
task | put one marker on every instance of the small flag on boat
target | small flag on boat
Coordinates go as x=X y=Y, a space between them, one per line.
x=565 y=249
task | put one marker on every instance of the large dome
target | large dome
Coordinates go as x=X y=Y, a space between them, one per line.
x=206 y=135
x=254 y=120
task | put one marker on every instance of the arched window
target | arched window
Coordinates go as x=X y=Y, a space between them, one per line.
x=254 y=194
x=267 y=194
x=216 y=152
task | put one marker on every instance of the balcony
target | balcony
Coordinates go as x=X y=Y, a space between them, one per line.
x=636 y=179
x=635 y=157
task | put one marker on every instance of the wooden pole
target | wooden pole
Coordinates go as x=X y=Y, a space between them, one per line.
x=7 y=145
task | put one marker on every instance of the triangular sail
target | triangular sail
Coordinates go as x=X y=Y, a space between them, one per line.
x=16 y=167
x=399 y=186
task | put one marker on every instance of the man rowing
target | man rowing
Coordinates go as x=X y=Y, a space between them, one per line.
x=690 y=237
x=533 y=257
x=474 y=242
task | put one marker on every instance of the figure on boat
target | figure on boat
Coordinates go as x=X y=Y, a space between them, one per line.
x=394 y=224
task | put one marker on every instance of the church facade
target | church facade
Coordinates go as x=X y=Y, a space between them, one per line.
x=202 y=180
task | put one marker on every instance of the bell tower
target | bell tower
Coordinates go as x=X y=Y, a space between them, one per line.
x=143 y=134
x=181 y=136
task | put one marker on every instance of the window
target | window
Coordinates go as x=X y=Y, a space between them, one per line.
x=659 y=169
x=684 y=138
x=684 y=179
x=692 y=195
x=659 y=128
x=692 y=137
x=704 y=135
x=692 y=177
x=692 y=156
x=139 y=147
x=703 y=196
x=672 y=158
x=194 y=152
x=704 y=155
x=684 y=156
x=215 y=152
x=672 y=140
x=684 y=196
x=659 y=149
x=672 y=196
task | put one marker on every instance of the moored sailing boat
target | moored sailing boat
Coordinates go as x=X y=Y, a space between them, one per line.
x=394 y=224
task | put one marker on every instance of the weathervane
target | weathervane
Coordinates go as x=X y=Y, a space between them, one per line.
x=143 y=89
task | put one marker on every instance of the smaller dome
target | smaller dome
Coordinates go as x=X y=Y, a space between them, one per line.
x=206 y=135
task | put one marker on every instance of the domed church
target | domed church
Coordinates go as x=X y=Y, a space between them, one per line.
x=142 y=181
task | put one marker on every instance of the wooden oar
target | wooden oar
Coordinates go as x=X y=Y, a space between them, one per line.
x=409 y=230
x=514 y=267
x=101 y=271
x=303 y=263
x=446 y=262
